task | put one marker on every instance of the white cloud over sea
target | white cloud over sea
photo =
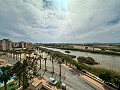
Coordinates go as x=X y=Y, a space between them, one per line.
x=74 y=21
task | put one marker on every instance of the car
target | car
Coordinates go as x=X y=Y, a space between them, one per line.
x=63 y=86
x=52 y=81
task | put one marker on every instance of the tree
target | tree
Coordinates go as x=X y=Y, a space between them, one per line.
x=60 y=62
x=117 y=82
x=52 y=66
x=106 y=76
x=21 y=72
x=16 y=55
x=6 y=75
x=40 y=57
x=51 y=58
x=45 y=64
x=24 y=74
x=17 y=70
x=20 y=54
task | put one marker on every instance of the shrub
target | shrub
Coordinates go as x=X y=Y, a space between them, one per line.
x=87 y=60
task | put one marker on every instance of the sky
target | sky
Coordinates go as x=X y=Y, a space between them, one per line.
x=60 y=21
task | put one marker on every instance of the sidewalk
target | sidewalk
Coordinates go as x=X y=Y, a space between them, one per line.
x=92 y=81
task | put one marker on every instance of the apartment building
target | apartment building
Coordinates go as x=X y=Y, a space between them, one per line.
x=5 y=44
x=22 y=45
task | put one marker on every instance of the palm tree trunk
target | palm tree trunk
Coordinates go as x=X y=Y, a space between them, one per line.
x=23 y=81
x=5 y=85
x=19 y=81
x=45 y=66
x=60 y=72
x=40 y=63
x=11 y=54
x=20 y=56
x=52 y=68
x=29 y=56
x=16 y=56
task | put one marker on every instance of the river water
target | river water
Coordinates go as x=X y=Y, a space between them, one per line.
x=107 y=61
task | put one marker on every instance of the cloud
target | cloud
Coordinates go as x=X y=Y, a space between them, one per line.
x=75 y=21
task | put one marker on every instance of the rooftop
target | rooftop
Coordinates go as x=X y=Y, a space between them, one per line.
x=36 y=81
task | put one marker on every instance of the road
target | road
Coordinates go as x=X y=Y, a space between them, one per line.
x=73 y=81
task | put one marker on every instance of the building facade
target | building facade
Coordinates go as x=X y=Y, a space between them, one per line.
x=5 y=44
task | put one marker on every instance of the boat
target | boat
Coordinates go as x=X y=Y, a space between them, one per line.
x=67 y=51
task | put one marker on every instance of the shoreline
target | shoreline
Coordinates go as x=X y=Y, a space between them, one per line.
x=90 y=51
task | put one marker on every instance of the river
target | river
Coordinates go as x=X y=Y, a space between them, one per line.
x=107 y=61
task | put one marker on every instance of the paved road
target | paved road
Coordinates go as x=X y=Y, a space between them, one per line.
x=72 y=80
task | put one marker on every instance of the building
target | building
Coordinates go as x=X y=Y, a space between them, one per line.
x=15 y=44
x=22 y=45
x=5 y=44
x=36 y=84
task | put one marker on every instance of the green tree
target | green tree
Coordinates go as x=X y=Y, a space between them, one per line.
x=106 y=76
x=24 y=74
x=40 y=57
x=117 y=82
x=6 y=75
x=18 y=71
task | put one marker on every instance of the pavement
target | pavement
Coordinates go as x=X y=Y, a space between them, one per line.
x=73 y=81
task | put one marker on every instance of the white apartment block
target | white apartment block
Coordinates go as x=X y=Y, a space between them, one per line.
x=5 y=44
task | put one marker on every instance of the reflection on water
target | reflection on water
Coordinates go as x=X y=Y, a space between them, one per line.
x=108 y=61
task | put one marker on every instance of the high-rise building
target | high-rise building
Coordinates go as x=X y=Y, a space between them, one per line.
x=5 y=44
x=15 y=44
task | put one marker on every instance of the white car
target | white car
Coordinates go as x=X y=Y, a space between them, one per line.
x=52 y=81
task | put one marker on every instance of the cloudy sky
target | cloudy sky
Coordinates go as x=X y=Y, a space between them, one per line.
x=67 y=21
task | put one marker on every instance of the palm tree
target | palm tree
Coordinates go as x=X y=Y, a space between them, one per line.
x=20 y=54
x=60 y=62
x=16 y=55
x=52 y=66
x=40 y=57
x=13 y=54
x=13 y=51
x=6 y=75
x=45 y=64
x=29 y=53
x=24 y=73
x=51 y=58
x=17 y=70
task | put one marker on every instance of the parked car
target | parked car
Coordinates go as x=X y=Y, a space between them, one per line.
x=52 y=81
x=63 y=86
